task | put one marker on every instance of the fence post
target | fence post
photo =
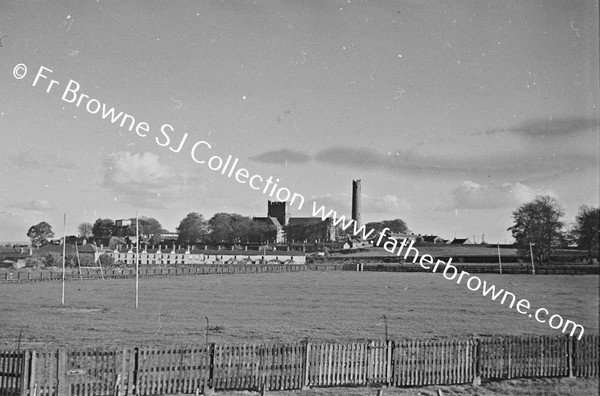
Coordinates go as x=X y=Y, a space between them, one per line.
x=476 y=362
x=211 y=367
x=571 y=353
x=32 y=364
x=306 y=383
x=389 y=351
x=61 y=372
x=369 y=359
x=24 y=380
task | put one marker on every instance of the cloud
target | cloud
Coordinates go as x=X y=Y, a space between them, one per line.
x=386 y=204
x=142 y=180
x=125 y=168
x=283 y=156
x=12 y=227
x=532 y=150
x=29 y=160
x=551 y=127
x=503 y=155
x=471 y=195
x=398 y=162
x=41 y=206
x=389 y=204
x=353 y=157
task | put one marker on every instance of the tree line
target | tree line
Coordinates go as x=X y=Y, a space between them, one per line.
x=194 y=228
x=538 y=227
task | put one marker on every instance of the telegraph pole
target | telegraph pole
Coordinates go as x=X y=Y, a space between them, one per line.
x=137 y=259
x=531 y=254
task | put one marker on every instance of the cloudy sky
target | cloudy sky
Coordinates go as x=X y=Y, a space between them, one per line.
x=452 y=113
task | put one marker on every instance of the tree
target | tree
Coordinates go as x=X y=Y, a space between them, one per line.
x=103 y=228
x=586 y=228
x=261 y=232
x=397 y=225
x=312 y=231
x=85 y=230
x=150 y=228
x=538 y=223
x=40 y=233
x=230 y=228
x=192 y=229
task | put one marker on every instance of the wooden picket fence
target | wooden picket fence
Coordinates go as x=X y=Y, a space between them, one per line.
x=24 y=276
x=11 y=372
x=187 y=369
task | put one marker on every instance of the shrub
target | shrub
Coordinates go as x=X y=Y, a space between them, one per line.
x=35 y=262
x=106 y=260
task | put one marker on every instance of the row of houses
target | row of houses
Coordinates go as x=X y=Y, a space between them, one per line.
x=175 y=256
x=122 y=253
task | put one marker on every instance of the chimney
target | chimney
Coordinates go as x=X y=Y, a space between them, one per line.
x=205 y=247
x=246 y=248
x=232 y=247
x=30 y=251
x=356 y=204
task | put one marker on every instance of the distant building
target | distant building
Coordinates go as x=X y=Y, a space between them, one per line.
x=83 y=250
x=177 y=255
x=461 y=241
x=392 y=235
x=278 y=214
x=123 y=223
x=280 y=236
x=14 y=257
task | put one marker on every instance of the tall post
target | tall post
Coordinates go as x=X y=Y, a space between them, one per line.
x=356 y=202
x=499 y=259
x=137 y=259
x=78 y=262
x=531 y=254
x=63 y=257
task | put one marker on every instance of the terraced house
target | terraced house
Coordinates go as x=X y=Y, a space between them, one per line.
x=190 y=255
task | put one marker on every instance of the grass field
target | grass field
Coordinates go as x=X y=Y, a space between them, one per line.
x=333 y=305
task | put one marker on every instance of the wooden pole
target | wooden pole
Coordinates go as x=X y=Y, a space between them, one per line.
x=78 y=262
x=137 y=254
x=63 y=257
x=499 y=259
x=531 y=254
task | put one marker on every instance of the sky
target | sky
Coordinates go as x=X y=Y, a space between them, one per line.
x=451 y=113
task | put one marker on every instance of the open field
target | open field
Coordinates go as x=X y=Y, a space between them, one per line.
x=335 y=305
